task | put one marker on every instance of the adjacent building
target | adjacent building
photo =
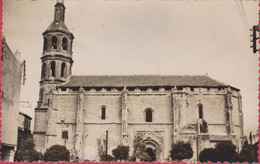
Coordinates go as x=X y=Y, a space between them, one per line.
x=76 y=111
x=10 y=90
x=24 y=126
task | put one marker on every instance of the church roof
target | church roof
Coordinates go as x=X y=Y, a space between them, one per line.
x=142 y=81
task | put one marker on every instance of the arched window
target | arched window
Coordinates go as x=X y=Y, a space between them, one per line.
x=64 y=43
x=200 y=112
x=45 y=45
x=43 y=70
x=103 y=113
x=53 y=68
x=149 y=115
x=70 y=46
x=63 y=69
x=54 y=42
x=227 y=116
x=41 y=94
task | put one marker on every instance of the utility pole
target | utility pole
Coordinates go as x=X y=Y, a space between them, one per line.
x=106 y=142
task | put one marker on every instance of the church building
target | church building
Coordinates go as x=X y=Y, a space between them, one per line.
x=84 y=112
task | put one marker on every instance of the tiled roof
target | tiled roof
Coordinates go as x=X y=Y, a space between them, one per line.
x=142 y=81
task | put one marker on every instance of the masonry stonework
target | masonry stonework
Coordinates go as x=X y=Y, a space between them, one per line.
x=77 y=111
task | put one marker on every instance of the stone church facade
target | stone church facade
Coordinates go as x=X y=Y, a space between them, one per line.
x=78 y=111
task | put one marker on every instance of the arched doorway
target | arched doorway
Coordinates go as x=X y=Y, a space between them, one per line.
x=153 y=144
x=153 y=150
x=152 y=154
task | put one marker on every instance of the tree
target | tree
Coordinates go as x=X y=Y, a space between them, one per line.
x=121 y=152
x=255 y=150
x=57 y=153
x=26 y=152
x=102 y=152
x=209 y=154
x=106 y=158
x=181 y=150
x=227 y=151
x=139 y=151
x=249 y=153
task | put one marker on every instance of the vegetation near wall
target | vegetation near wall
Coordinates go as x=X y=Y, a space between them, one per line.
x=209 y=155
x=249 y=153
x=26 y=152
x=121 y=152
x=181 y=150
x=57 y=153
x=225 y=151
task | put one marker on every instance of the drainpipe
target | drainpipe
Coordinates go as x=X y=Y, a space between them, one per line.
x=106 y=143
x=197 y=141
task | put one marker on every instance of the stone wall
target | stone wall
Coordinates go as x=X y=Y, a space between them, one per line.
x=62 y=116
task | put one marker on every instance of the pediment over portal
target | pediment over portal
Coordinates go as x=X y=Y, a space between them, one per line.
x=190 y=128
x=155 y=137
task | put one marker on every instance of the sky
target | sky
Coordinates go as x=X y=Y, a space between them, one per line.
x=133 y=37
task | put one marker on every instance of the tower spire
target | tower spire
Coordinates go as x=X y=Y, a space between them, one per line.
x=59 y=14
x=60 y=1
x=59 y=19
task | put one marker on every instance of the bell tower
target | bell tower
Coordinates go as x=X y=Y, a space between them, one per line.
x=57 y=52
